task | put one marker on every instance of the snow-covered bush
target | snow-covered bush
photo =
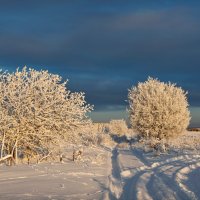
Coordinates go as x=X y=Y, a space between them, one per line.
x=97 y=134
x=37 y=112
x=88 y=135
x=158 y=109
x=105 y=140
x=118 y=127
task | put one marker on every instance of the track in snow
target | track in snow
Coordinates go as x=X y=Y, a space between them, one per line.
x=135 y=177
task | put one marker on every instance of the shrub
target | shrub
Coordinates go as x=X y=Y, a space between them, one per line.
x=118 y=127
x=158 y=109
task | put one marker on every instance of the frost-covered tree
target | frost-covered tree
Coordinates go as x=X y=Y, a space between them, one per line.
x=38 y=112
x=158 y=109
x=118 y=127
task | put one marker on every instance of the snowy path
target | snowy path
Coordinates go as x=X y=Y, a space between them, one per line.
x=136 y=175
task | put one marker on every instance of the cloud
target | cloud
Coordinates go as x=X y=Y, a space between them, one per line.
x=105 y=48
x=144 y=40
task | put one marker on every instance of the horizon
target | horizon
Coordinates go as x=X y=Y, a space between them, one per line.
x=105 y=48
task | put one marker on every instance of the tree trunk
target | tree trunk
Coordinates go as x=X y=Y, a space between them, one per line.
x=15 y=154
x=14 y=151
x=2 y=144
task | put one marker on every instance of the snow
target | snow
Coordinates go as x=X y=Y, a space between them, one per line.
x=168 y=176
x=67 y=180
x=105 y=173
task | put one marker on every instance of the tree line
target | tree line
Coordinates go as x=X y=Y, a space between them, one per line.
x=38 y=112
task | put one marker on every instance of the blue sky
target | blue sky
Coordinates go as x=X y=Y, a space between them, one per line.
x=105 y=47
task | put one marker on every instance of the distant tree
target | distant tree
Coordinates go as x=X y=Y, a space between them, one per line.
x=158 y=109
x=118 y=127
x=38 y=112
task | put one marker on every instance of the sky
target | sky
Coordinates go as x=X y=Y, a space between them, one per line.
x=106 y=47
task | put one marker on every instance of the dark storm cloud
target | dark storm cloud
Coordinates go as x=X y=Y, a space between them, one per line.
x=104 y=47
x=105 y=93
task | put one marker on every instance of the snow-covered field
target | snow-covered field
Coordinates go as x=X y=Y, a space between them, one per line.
x=118 y=173
x=68 y=180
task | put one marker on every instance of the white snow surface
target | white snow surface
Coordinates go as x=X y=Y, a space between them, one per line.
x=82 y=179
x=117 y=173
